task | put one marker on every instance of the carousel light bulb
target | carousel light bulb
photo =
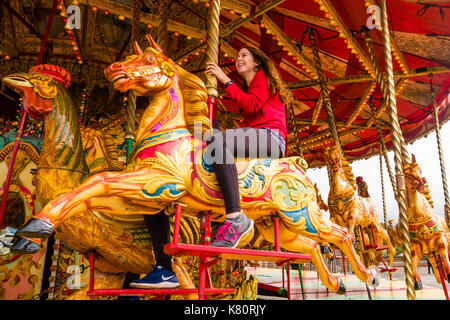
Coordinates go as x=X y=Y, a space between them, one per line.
x=75 y=2
x=121 y=18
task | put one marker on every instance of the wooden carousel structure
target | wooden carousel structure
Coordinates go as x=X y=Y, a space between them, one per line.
x=364 y=80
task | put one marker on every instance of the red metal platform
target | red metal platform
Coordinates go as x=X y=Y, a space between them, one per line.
x=208 y=256
x=278 y=257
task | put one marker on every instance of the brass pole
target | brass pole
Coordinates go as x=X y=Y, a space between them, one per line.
x=441 y=154
x=383 y=196
x=212 y=44
x=400 y=153
x=131 y=104
x=383 y=149
x=292 y=120
x=164 y=9
x=324 y=89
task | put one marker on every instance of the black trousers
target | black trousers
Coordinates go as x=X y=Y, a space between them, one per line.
x=241 y=142
x=224 y=146
x=159 y=228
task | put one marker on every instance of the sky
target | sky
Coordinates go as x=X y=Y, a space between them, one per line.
x=427 y=156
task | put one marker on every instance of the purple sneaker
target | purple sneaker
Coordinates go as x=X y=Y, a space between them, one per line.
x=234 y=232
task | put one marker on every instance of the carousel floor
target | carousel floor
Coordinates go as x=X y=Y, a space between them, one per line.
x=356 y=290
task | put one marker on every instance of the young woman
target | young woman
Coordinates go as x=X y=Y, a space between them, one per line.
x=262 y=101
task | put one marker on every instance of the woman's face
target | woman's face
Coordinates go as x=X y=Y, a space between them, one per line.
x=245 y=62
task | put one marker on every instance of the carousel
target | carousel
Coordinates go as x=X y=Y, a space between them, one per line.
x=104 y=107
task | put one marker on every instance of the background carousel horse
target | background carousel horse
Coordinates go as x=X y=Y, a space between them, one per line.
x=167 y=165
x=428 y=232
x=350 y=210
x=121 y=243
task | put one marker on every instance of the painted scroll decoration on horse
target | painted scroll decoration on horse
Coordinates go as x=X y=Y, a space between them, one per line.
x=166 y=166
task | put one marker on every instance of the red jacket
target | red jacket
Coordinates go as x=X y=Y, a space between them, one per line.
x=259 y=107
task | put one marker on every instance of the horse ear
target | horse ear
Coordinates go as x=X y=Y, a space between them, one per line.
x=413 y=158
x=153 y=44
x=137 y=48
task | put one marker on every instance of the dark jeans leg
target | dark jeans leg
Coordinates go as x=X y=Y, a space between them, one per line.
x=241 y=142
x=159 y=228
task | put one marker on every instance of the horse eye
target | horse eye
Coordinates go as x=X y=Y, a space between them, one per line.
x=150 y=59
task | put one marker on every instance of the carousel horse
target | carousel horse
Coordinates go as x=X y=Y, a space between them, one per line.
x=350 y=210
x=429 y=234
x=167 y=165
x=69 y=154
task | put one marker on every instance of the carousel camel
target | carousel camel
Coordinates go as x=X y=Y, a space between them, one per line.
x=167 y=166
x=350 y=210
x=429 y=234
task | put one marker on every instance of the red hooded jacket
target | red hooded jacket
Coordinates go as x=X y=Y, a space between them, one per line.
x=259 y=107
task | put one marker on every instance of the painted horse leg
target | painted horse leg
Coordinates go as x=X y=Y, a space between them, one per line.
x=343 y=240
x=416 y=254
x=299 y=243
x=443 y=252
x=434 y=266
x=85 y=197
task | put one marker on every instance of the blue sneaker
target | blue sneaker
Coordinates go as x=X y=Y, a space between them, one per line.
x=159 y=278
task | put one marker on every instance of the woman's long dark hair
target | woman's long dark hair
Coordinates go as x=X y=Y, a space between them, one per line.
x=274 y=80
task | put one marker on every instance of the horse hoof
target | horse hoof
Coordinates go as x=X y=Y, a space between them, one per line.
x=341 y=289
x=35 y=228
x=418 y=285
x=373 y=279
x=22 y=245
x=448 y=278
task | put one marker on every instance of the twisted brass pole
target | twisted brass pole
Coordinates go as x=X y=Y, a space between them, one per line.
x=400 y=153
x=383 y=196
x=324 y=89
x=441 y=154
x=131 y=102
x=383 y=149
x=162 y=27
x=291 y=118
x=212 y=44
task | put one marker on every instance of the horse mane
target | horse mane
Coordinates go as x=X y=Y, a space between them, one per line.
x=195 y=95
x=426 y=193
x=348 y=171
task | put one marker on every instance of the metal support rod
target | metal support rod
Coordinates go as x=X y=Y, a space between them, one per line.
x=386 y=159
x=440 y=151
x=300 y=276
x=23 y=119
x=383 y=195
x=131 y=105
x=401 y=155
x=212 y=44
x=291 y=119
x=164 y=9
x=324 y=89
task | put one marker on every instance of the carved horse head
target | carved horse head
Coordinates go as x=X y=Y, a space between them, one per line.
x=414 y=180
x=145 y=73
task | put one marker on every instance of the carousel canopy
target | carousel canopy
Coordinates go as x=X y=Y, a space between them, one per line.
x=419 y=41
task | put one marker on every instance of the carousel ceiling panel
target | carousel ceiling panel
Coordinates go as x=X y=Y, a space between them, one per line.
x=419 y=40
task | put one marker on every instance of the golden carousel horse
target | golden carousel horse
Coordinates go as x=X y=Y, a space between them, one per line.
x=167 y=166
x=69 y=155
x=350 y=210
x=428 y=232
